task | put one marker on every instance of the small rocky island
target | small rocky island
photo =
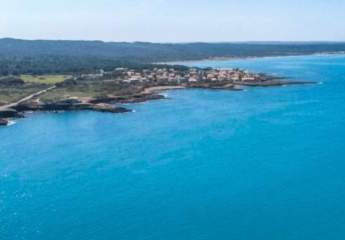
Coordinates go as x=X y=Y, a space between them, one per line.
x=106 y=91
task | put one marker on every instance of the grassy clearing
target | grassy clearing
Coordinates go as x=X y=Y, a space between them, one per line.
x=12 y=94
x=89 y=89
x=44 y=79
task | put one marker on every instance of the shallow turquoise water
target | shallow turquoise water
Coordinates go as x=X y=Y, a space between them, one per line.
x=267 y=163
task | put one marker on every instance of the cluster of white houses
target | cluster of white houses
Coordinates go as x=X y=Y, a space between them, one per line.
x=175 y=76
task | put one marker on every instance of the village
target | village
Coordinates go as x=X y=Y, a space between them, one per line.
x=166 y=75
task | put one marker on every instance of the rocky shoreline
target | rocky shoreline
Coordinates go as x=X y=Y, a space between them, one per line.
x=100 y=104
x=112 y=104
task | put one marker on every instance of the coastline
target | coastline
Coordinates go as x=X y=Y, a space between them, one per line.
x=135 y=93
x=251 y=57
x=113 y=104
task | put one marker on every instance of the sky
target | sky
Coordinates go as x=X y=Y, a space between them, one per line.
x=174 y=20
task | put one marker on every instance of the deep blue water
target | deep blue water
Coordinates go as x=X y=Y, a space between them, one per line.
x=267 y=163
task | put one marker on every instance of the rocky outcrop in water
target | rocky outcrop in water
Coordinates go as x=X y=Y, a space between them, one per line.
x=3 y=122
x=10 y=113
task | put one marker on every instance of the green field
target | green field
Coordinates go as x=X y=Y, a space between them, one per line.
x=44 y=79
x=32 y=84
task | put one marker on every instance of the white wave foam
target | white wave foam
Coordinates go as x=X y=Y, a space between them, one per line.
x=10 y=123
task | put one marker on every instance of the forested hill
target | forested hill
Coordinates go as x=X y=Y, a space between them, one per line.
x=26 y=56
x=151 y=52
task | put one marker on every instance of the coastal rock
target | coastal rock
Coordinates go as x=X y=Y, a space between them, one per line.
x=103 y=100
x=141 y=98
x=212 y=85
x=127 y=99
x=71 y=104
x=3 y=122
x=27 y=106
x=109 y=108
x=82 y=106
x=62 y=105
x=70 y=101
x=10 y=113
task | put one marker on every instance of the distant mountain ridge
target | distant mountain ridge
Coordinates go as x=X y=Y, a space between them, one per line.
x=66 y=54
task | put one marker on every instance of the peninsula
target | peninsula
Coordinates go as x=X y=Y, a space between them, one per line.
x=106 y=91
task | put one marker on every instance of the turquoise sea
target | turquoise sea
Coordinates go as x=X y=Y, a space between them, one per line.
x=265 y=163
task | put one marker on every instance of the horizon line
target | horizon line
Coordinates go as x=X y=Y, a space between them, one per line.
x=183 y=42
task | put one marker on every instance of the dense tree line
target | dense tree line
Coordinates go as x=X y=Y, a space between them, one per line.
x=59 y=65
x=67 y=65
x=41 y=56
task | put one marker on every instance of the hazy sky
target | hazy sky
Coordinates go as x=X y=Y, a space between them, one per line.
x=174 y=20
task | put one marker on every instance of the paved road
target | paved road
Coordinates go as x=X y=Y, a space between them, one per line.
x=26 y=98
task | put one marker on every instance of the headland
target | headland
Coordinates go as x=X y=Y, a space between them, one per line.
x=107 y=91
